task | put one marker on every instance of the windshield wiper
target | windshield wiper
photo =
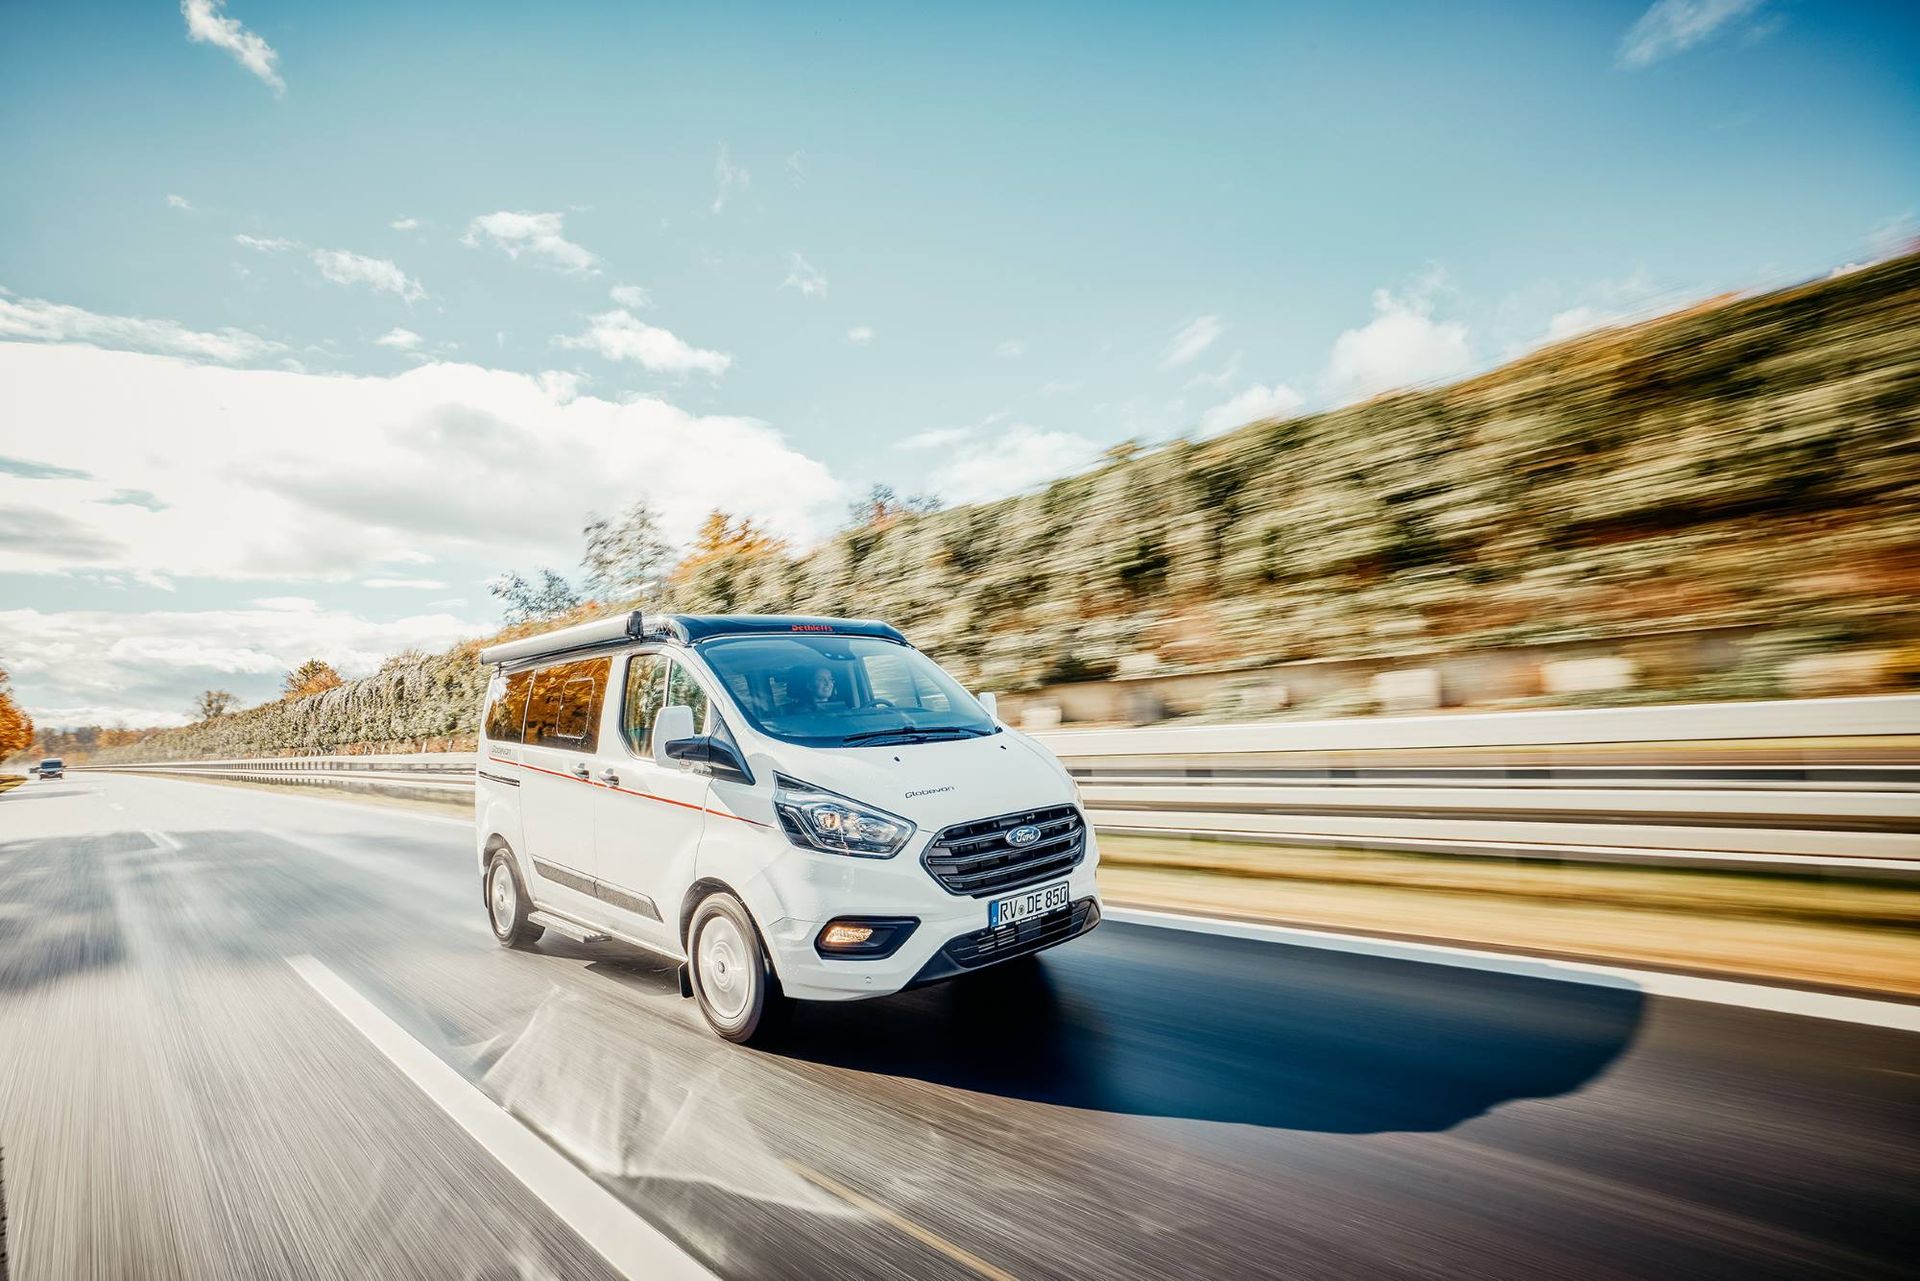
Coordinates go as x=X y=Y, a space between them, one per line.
x=912 y=731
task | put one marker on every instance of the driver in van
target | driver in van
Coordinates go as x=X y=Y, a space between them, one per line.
x=810 y=688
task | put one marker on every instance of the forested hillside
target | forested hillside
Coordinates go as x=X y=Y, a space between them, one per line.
x=1748 y=462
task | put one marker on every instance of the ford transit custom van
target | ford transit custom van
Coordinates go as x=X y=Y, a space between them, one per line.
x=793 y=808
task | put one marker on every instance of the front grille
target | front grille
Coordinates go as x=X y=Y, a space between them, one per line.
x=1000 y=943
x=975 y=858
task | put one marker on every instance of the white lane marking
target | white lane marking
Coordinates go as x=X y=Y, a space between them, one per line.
x=164 y=841
x=1685 y=987
x=634 y=1247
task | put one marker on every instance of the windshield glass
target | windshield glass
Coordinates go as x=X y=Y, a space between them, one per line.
x=843 y=691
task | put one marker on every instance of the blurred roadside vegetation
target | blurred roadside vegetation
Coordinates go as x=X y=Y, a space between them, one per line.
x=1827 y=932
x=1750 y=465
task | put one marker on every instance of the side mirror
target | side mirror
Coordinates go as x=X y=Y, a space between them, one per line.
x=670 y=726
x=712 y=752
x=991 y=702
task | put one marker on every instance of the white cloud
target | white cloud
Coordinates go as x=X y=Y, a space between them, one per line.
x=1219 y=378
x=1401 y=346
x=860 y=335
x=331 y=475
x=399 y=339
x=40 y=321
x=1195 y=337
x=345 y=268
x=1256 y=402
x=632 y=296
x=207 y=25
x=1011 y=349
x=729 y=179
x=1017 y=459
x=178 y=202
x=405 y=584
x=143 y=668
x=620 y=335
x=405 y=224
x=934 y=438
x=1575 y=321
x=1670 y=27
x=805 y=277
x=538 y=235
x=560 y=385
x=1599 y=304
x=264 y=244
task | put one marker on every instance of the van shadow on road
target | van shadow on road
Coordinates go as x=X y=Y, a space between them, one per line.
x=1157 y=1022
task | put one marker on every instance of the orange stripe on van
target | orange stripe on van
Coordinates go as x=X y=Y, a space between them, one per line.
x=628 y=791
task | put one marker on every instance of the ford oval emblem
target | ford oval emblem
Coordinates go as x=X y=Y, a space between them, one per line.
x=1023 y=835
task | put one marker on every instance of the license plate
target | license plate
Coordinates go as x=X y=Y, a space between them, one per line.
x=1018 y=907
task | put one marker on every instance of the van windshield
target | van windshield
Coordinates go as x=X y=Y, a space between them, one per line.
x=843 y=691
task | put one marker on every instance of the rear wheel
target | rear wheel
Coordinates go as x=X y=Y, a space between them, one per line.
x=732 y=978
x=507 y=904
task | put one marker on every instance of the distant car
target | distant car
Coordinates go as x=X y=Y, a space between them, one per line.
x=52 y=767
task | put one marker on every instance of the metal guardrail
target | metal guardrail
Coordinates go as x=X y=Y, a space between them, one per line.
x=1814 y=785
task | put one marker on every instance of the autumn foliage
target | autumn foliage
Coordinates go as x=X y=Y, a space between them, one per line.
x=16 y=727
x=315 y=676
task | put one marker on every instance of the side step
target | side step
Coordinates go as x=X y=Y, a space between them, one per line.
x=561 y=925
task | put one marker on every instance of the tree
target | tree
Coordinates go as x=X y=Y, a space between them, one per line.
x=526 y=601
x=882 y=507
x=315 y=676
x=213 y=704
x=733 y=564
x=626 y=559
x=16 y=727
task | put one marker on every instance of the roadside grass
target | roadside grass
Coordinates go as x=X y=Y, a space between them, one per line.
x=10 y=781
x=1855 y=934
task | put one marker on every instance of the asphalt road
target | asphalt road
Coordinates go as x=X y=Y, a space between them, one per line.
x=177 y=1100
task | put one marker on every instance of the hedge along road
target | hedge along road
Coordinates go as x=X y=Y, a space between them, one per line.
x=246 y=1034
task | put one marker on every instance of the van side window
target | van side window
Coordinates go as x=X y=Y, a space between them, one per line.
x=645 y=684
x=564 y=708
x=507 y=714
x=682 y=689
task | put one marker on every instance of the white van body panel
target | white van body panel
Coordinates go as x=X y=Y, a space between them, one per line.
x=664 y=835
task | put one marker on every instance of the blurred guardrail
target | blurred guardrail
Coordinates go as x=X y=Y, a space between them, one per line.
x=1810 y=785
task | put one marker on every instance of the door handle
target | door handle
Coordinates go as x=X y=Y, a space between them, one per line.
x=581 y=771
x=608 y=776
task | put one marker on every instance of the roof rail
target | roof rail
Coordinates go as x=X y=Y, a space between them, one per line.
x=600 y=632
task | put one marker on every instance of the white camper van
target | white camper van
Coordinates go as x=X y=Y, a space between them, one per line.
x=795 y=808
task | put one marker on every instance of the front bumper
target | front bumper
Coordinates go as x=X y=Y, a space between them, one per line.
x=982 y=948
x=952 y=936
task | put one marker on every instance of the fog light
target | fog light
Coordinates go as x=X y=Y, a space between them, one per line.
x=863 y=938
x=843 y=934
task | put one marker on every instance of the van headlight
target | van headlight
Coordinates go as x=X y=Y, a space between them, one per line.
x=816 y=819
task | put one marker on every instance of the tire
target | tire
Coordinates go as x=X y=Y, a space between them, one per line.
x=734 y=982
x=507 y=903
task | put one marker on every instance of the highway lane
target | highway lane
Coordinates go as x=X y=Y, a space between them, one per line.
x=176 y=1100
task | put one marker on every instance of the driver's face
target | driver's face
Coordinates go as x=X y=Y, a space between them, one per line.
x=822 y=683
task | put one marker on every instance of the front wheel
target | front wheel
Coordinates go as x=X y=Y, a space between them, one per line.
x=507 y=904
x=732 y=978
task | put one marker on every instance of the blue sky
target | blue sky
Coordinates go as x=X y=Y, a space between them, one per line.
x=958 y=251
